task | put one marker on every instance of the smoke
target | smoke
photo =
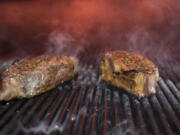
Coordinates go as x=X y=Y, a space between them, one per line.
x=87 y=29
x=43 y=127
x=63 y=43
x=149 y=43
x=118 y=129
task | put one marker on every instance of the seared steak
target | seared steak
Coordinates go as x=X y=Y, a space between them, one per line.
x=34 y=76
x=130 y=71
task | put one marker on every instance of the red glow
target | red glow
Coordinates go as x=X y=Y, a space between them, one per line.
x=101 y=24
x=85 y=14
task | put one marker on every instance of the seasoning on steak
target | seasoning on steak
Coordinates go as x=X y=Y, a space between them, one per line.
x=130 y=71
x=34 y=76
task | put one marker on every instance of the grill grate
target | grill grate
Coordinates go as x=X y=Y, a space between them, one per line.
x=87 y=105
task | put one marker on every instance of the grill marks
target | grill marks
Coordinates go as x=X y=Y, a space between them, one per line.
x=87 y=106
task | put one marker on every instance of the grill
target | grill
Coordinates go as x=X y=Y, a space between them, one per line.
x=86 y=105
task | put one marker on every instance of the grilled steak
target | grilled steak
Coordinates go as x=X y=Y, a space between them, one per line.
x=36 y=75
x=130 y=71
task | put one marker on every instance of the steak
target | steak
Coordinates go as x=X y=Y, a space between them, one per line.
x=130 y=71
x=34 y=76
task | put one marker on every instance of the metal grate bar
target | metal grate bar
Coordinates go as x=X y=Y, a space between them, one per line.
x=161 y=118
x=172 y=100
x=174 y=89
x=140 y=122
x=9 y=115
x=173 y=120
x=153 y=127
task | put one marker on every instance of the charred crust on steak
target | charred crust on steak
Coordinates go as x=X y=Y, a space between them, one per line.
x=34 y=76
x=130 y=71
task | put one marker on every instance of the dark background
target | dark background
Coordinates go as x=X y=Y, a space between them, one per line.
x=86 y=29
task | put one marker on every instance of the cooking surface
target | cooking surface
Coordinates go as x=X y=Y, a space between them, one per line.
x=87 y=105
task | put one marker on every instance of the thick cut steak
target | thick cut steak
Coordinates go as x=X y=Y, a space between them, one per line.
x=34 y=76
x=130 y=71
